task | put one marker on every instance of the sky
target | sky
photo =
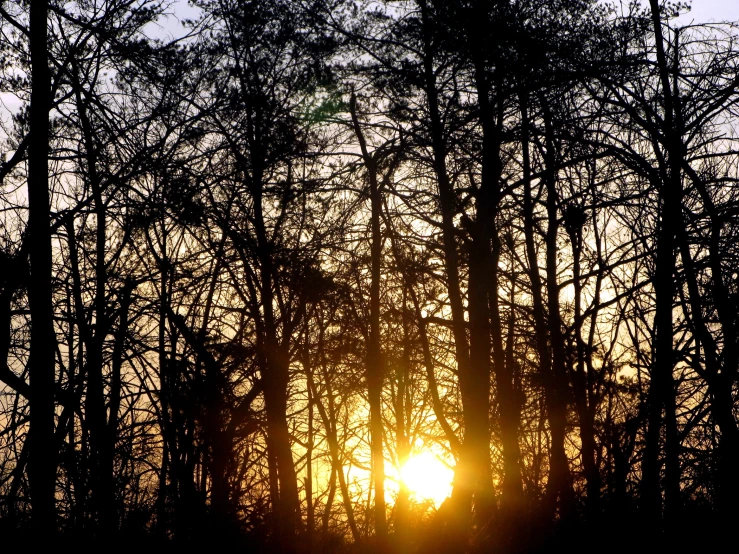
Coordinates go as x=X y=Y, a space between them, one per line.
x=170 y=27
x=702 y=11
x=705 y=11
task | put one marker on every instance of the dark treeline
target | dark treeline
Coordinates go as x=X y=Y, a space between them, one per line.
x=247 y=274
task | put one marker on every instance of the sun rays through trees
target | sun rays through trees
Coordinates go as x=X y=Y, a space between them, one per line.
x=368 y=276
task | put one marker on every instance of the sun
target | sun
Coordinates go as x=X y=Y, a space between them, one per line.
x=427 y=477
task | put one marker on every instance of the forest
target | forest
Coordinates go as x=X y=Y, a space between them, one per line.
x=387 y=276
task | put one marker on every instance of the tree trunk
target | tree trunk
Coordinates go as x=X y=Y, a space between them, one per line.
x=108 y=453
x=402 y=444
x=485 y=254
x=583 y=393
x=103 y=495
x=375 y=373
x=329 y=422
x=275 y=395
x=551 y=357
x=662 y=389
x=465 y=476
x=42 y=455
x=276 y=377
x=310 y=508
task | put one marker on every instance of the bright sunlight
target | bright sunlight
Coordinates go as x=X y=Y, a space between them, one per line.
x=427 y=477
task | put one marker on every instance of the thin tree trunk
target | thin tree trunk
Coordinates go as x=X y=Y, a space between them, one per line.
x=428 y=361
x=558 y=485
x=326 y=518
x=329 y=423
x=108 y=454
x=558 y=395
x=103 y=494
x=310 y=508
x=168 y=444
x=583 y=396
x=276 y=377
x=375 y=373
x=662 y=388
x=402 y=444
x=465 y=476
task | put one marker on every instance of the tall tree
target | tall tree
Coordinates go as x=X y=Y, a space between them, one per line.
x=375 y=362
x=43 y=456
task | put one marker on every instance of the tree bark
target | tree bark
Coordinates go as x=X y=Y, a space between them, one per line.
x=42 y=455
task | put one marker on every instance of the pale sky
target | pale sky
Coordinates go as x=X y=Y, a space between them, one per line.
x=703 y=11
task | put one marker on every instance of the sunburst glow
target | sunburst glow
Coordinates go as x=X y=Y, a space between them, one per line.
x=427 y=477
